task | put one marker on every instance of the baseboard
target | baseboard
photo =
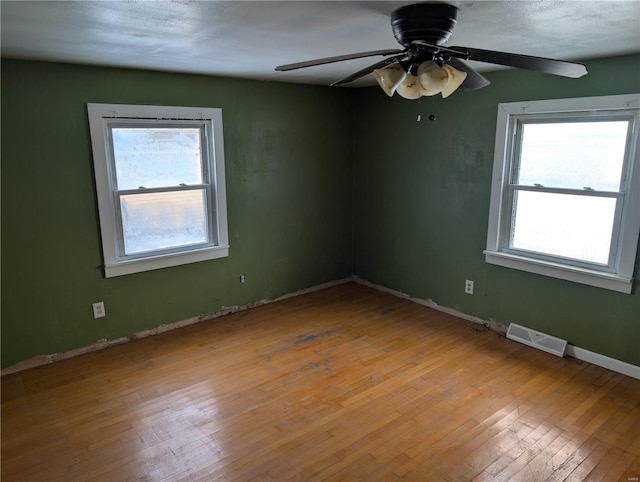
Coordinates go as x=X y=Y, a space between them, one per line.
x=604 y=361
x=40 y=360
x=572 y=351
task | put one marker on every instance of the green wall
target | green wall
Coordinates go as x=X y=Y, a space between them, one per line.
x=322 y=183
x=289 y=190
x=422 y=202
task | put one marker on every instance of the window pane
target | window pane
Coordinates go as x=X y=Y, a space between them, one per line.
x=157 y=157
x=573 y=154
x=571 y=226
x=163 y=220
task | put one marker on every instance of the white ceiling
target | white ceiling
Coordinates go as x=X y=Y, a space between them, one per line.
x=248 y=39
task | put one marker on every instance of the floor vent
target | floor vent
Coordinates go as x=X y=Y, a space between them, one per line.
x=533 y=338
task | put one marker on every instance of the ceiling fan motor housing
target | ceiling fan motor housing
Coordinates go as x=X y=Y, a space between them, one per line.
x=431 y=22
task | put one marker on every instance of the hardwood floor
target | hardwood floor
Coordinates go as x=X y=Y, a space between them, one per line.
x=346 y=383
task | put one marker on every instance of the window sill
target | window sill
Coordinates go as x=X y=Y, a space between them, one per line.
x=570 y=273
x=164 y=261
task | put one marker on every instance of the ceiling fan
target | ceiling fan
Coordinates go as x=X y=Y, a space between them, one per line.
x=425 y=67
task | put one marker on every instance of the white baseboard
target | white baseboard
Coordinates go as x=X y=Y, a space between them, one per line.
x=572 y=351
x=604 y=361
x=39 y=360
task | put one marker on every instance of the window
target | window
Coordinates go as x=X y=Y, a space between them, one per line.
x=565 y=198
x=160 y=182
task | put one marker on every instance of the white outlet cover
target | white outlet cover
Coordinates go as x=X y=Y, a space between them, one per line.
x=98 y=310
x=468 y=286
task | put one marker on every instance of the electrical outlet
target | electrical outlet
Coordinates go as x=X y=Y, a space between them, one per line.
x=468 y=286
x=243 y=279
x=98 y=310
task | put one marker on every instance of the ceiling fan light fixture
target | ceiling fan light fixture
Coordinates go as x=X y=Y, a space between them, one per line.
x=409 y=88
x=433 y=78
x=456 y=78
x=422 y=29
x=390 y=77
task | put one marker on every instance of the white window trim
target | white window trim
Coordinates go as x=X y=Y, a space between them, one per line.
x=99 y=114
x=622 y=280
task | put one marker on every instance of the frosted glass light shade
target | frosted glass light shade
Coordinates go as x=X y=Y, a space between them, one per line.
x=433 y=78
x=456 y=78
x=390 y=77
x=409 y=88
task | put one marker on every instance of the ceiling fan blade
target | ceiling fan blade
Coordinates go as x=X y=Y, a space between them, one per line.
x=338 y=58
x=366 y=71
x=540 y=64
x=474 y=80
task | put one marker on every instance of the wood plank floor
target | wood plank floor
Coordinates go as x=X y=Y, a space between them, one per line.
x=346 y=383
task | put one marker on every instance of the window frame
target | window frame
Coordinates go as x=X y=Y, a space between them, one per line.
x=617 y=275
x=102 y=119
